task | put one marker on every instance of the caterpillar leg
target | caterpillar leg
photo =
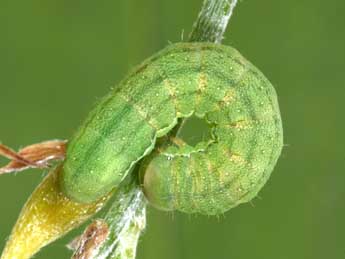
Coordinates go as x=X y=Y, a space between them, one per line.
x=34 y=156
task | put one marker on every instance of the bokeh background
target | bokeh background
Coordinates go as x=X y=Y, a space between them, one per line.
x=58 y=57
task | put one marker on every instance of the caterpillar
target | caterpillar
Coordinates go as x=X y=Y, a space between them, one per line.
x=135 y=121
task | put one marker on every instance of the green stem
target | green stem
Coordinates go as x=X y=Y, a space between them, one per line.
x=126 y=218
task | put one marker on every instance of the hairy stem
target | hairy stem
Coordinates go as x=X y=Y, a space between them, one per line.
x=126 y=219
x=126 y=230
x=117 y=234
x=212 y=21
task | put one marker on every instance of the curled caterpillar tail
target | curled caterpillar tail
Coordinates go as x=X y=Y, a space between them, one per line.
x=240 y=106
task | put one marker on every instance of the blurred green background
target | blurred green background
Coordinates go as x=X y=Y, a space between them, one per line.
x=58 y=57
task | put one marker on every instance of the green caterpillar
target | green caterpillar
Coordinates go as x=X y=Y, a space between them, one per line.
x=136 y=120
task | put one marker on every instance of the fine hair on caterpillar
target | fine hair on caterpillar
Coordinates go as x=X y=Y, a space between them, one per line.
x=210 y=81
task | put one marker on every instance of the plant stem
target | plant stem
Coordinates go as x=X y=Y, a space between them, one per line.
x=126 y=219
x=122 y=226
x=212 y=21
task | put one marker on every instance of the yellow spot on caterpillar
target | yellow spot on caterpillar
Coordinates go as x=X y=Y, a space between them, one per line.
x=237 y=159
x=242 y=124
x=202 y=83
x=142 y=113
x=228 y=98
x=172 y=93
